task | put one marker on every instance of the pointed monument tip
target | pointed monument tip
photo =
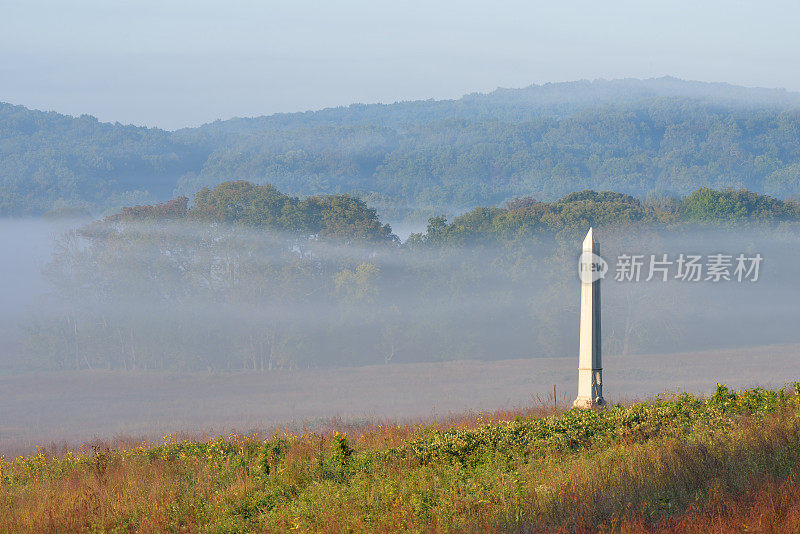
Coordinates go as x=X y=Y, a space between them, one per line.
x=589 y=239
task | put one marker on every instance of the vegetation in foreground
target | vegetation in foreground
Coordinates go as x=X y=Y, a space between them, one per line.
x=728 y=462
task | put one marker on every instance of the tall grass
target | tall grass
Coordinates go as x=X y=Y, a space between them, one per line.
x=680 y=462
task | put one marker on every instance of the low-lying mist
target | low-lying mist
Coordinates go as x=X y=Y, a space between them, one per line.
x=171 y=298
x=210 y=297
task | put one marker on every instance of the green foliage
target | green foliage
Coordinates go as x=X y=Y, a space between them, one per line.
x=570 y=216
x=359 y=285
x=414 y=159
x=48 y=160
x=573 y=430
x=736 y=207
x=272 y=455
x=246 y=204
x=651 y=459
x=260 y=206
x=250 y=247
x=342 y=451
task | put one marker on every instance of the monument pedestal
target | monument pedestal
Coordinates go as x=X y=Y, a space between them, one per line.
x=585 y=403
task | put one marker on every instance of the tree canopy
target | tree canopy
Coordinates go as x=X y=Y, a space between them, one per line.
x=264 y=207
x=248 y=277
x=418 y=159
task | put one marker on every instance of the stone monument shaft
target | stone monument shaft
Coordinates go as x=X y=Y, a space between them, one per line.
x=590 y=365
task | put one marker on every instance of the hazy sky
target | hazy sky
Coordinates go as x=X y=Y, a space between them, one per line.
x=173 y=63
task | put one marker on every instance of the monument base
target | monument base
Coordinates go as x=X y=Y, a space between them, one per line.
x=587 y=403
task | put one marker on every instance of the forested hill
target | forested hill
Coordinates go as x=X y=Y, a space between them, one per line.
x=52 y=161
x=554 y=100
x=416 y=159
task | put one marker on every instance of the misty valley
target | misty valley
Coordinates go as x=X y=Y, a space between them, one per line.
x=371 y=318
x=318 y=291
x=325 y=352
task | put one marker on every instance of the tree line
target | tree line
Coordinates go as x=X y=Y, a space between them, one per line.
x=413 y=160
x=247 y=277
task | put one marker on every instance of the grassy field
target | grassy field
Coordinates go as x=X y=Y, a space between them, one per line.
x=729 y=462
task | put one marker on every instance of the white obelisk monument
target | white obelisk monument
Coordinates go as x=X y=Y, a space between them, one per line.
x=590 y=366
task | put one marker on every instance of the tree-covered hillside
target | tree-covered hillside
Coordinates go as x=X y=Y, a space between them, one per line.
x=456 y=164
x=49 y=160
x=415 y=159
x=555 y=100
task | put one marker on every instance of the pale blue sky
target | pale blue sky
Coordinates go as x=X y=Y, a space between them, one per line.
x=173 y=63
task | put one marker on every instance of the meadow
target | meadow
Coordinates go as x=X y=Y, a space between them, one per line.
x=724 y=462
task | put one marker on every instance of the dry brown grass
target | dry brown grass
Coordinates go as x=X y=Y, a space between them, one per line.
x=744 y=476
x=770 y=506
